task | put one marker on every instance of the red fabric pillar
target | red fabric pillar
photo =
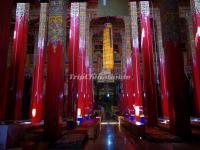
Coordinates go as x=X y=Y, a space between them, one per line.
x=91 y=91
x=162 y=70
x=17 y=66
x=149 y=76
x=55 y=70
x=121 y=104
x=195 y=8
x=129 y=84
x=81 y=61
x=87 y=91
x=5 y=18
x=125 y=92
x=128 y=68
x=163 y=87
x=54 y=91
x=176 y=79
x=38 y=76
x=136 y=75
x=73 y=51
x=88 y=101
x=123 y=82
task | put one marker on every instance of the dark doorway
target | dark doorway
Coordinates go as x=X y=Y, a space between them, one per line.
x=26 y=100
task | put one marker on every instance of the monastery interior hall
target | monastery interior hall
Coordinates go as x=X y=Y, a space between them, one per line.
x=100 y=75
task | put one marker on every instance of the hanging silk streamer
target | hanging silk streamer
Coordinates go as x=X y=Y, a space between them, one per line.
x=108 y=60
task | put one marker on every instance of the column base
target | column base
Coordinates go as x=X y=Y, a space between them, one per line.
x=79 y=120
x=70 y=124
x=132 y=117
x=86 y=118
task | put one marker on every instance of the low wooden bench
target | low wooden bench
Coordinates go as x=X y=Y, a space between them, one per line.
x=136 y=130
x=92 y=127
x=10 y=135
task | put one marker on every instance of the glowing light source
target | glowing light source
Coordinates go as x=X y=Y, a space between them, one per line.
x=137 y=110
x=111 y=123
x=143 y=35
x=14 y=35
x=70 y=33
x=79 y=112
x=197 y=35
x=108 y=58
x=164 y=121
x=138 y=123
x=196 y=120
x=77 y=95
x=104 y=2
x=33 y=112
x=109 y=140
x=26 y=123
x=108 y=95
x=144 y=94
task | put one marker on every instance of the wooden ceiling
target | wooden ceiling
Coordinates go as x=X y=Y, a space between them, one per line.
x=90 y=1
